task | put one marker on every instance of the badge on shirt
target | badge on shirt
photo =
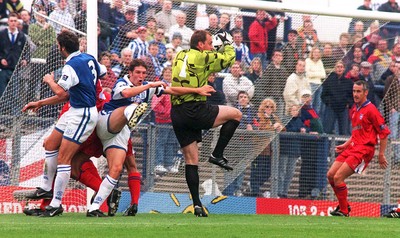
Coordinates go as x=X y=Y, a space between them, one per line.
x=64 y=77
x=361 y=116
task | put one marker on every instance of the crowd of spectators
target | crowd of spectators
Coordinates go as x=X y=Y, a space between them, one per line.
x=270 y=71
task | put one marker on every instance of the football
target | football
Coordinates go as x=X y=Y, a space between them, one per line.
x=226 y=38
x=217 y=43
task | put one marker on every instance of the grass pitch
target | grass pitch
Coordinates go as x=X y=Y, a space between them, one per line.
x=187 y=225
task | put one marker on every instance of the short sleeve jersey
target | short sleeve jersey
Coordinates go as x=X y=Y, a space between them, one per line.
x=79 y=77
x=367 y=123
x=101 y=98
x=117 y=100
x=192 y=67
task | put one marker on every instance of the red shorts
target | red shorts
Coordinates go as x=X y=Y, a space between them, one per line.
x=93 y=147
x=357 y=157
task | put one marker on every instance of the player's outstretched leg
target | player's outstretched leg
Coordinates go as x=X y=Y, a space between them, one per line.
x=136 y=114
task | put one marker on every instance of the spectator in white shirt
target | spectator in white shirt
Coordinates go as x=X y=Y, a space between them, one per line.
x=181 y=28
x=176 y=42
x=61 y=15
x=234 y=83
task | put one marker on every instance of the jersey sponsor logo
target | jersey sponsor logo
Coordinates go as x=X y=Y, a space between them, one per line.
x=64 y=77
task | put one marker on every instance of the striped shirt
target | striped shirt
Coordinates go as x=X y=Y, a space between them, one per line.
x=157 y=66
x=242 y=53
x=139 y=48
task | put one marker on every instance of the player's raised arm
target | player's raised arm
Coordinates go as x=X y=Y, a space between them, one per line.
x=133 y=91
x=206 y=90
x=57 y=89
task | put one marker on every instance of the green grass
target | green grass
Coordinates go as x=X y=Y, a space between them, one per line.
x=186 y=225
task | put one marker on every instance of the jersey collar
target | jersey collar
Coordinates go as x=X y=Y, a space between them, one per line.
x=363 y=105
x=73 y=54
x=126 y=78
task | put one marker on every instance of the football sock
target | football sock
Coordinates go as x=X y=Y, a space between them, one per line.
x=89 y=176
x=49 y=169
x=128 y=111
x=134 y=187
x=105 y=189
x=44 y=203
x=61 y=182
x=192 y=180
x=332 y=183
x=341 y=194
x=225 y=135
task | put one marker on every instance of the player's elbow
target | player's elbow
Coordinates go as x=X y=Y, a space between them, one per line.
x=62 y=95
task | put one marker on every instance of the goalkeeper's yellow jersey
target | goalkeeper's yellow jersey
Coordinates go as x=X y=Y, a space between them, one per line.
x=192 y=67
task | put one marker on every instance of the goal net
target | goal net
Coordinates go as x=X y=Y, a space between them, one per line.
x=293 y=86
x=23 y=134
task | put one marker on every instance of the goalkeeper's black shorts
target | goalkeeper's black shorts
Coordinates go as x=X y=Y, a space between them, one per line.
x=190 y=118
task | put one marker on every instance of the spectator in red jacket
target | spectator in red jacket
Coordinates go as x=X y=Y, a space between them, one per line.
x=258 y=35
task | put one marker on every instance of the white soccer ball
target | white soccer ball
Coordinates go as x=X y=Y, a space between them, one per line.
x=226 y=38
x=217 y=43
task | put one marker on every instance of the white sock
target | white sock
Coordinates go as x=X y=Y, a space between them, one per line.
x=61 y=182
x=105 y=189
x=129 y=110
x=50 y=168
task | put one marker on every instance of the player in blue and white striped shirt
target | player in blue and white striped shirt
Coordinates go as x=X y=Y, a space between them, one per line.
x=129 y=99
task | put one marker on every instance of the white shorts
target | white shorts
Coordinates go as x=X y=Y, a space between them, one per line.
x=77 y=124
x=111 y=140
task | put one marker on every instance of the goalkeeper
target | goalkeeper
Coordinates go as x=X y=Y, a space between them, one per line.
x=190 y=114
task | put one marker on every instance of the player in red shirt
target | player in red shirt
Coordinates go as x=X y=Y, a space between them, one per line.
x=355 y=154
